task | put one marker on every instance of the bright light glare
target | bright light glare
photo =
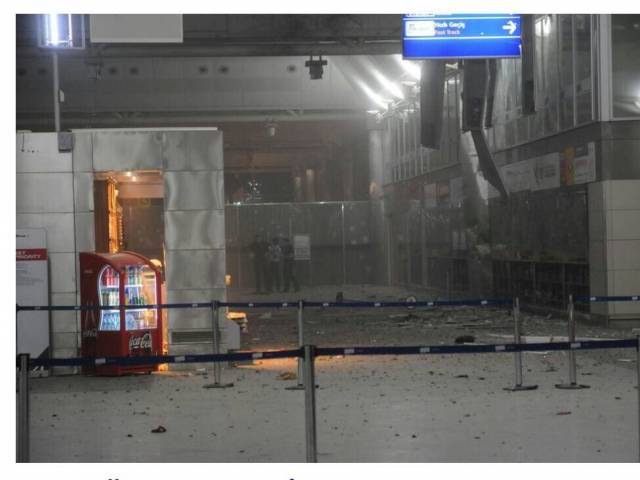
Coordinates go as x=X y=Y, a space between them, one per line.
x=372 y=95
x=388 y=85
x=408 y=66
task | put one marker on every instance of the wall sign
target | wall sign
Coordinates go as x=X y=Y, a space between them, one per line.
x=32 y=288
x=302 y=247
x=461 y=36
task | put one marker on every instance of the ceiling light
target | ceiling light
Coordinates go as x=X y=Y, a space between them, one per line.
x=270 y=128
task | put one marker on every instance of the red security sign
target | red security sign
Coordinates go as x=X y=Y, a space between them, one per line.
x=31 y=254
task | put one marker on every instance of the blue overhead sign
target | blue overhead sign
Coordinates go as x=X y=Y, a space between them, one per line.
x=461 y=36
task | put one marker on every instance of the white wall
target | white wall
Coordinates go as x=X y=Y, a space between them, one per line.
x=45 y=199
x=614 y=246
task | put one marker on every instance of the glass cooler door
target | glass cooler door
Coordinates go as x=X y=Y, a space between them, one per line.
x=108 y=288
x=140 y=289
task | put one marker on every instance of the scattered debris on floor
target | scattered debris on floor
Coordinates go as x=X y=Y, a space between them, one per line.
x=465 y=339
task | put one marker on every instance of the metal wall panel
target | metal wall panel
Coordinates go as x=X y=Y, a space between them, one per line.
x=194 y=190
x=127 y=150
x=38 y=152
x=59 y=228
x=189 y=269
x=204 y=151
x=44 y=192
x=168 y=86
x=193 y=151
x=174 y=151
x=85 y=232
x=82 y=152
x=83 y=190
x=195 y=318
x=194 y=230
x=63 y=272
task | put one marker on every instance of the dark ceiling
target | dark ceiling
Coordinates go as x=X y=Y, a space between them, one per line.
x=250 y=35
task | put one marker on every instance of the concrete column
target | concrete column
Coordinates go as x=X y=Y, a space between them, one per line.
x=379 y=151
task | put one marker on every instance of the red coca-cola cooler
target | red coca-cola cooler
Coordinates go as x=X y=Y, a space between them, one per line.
x=116 y=279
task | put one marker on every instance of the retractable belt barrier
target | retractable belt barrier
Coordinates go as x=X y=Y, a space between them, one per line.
x=592 y=298
x=308 y=353
x=110 y=307
x=292 y=304
x=337 y=351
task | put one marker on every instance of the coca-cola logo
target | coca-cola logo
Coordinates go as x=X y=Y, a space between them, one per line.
x=141 y=342
x=91 y=333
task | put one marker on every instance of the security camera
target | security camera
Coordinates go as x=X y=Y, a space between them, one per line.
x=315 y=67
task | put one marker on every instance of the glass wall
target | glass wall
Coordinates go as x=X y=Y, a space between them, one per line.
x=409 y=158
x=564 y=94
x=626 y=65
x=563 y=83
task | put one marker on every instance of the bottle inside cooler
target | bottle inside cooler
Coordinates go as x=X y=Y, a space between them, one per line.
x=140 y=289
x=109 y=296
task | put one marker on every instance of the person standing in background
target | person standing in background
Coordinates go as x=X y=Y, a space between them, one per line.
x=288 y=259
x=274 y=255
x=258 y=249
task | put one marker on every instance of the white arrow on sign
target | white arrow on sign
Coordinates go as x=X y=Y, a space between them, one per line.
x=510 y=26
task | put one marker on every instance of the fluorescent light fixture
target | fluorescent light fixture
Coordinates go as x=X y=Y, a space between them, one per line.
x=61 y=31
x=53 y=37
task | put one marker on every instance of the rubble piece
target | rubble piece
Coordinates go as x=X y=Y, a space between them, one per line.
x=159 y=429
x=465 y=339
x=287 y=376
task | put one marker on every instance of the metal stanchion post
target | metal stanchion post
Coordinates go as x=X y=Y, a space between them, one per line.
x=571 y=337
x=310 y=402
x=638 y=387
x=22 y=443
x=217 y=368
x=518 y=355
x=299 y=385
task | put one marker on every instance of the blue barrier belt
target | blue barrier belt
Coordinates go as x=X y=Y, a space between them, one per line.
x=434 y=303
x=110 y=307
x=335 y=351
x=497 y=348
x=595 y=298
x=292 y=304
x=158 y=359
